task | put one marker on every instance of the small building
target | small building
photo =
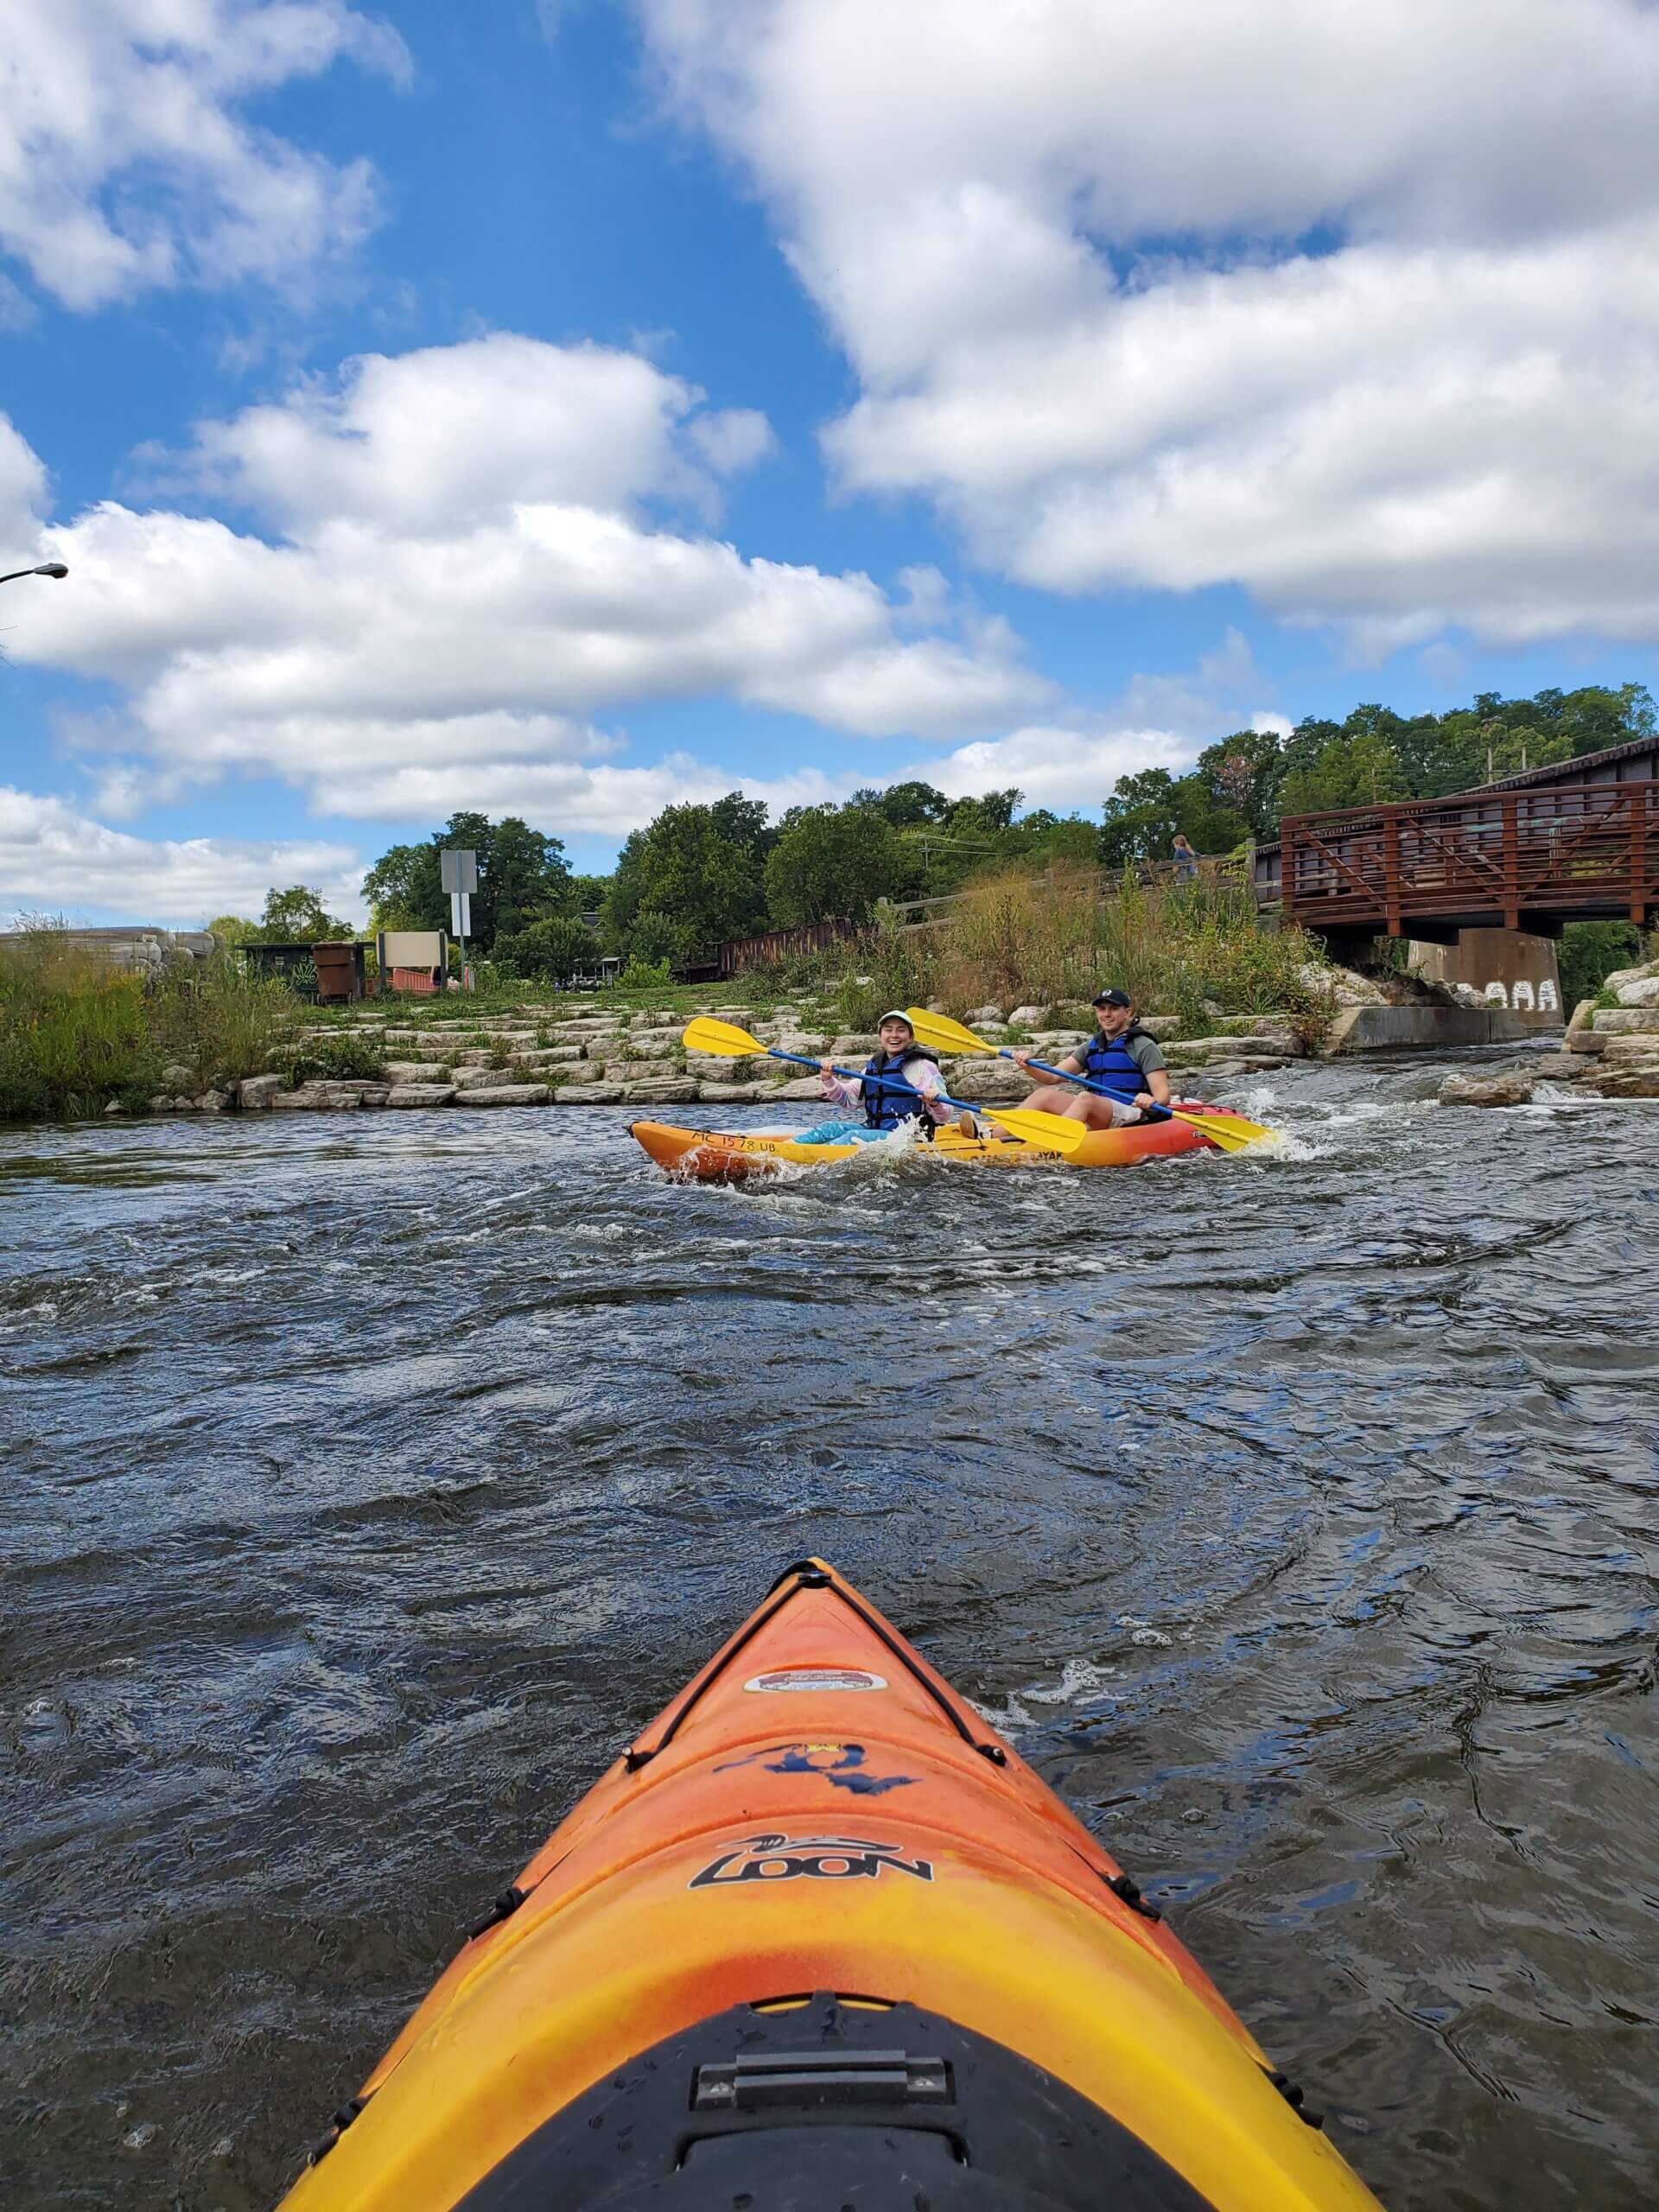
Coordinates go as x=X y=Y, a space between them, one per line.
x=334 y=973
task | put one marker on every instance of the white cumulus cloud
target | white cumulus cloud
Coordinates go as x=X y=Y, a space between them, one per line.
x=126 y=164
x=468 y=552
x=1351 y=306
x=54 y=859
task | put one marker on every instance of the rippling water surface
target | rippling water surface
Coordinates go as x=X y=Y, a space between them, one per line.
x=368 y=1480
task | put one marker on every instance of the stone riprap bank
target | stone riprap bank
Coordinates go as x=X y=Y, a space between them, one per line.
x=1609 y=1051
x=521 y=1060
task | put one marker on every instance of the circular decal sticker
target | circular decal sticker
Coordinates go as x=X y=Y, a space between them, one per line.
x=817 y=1678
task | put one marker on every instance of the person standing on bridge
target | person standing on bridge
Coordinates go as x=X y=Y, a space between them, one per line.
x=1122 y=1056
x=1186 y=860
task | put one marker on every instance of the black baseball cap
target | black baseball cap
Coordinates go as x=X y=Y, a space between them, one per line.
x=1111 y=998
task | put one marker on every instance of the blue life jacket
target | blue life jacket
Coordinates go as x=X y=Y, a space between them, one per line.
x=1109 y=1060
x=886 y=1109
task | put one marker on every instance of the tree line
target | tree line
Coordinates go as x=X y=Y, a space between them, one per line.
x=1240 y=787
x=699 y=874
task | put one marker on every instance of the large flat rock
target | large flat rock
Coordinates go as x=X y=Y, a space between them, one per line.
x=737 y=1094
x=1623 y=1082
x=658 y=1090
x=421 y=1094
x=990 y=1079
x=1627 y=1021
x=1486 y=1090
x=505 y=1094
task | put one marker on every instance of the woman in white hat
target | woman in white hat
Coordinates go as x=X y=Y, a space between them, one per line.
x=909 y=1067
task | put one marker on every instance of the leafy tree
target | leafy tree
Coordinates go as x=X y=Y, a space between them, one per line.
x=1239 y=777
x=984 y=816
x=233 y=929
x=742 y=822
x=1042 y=836
x=830 y=861
x=656 y=941
x=585 y=895
x=1589 y=952
x=1141 y=818
x=908 y=805
x=707 y=883
x=403 y=890
x=625 y=893
x=522 y=875
x=297 y=916
x=557 y=948
x=1360 y=769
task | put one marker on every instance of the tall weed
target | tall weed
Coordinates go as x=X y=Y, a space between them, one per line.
x=1170 y=946
x=219 y=1021
x=78 y=1034
x=73 y=1033
x=889 y=968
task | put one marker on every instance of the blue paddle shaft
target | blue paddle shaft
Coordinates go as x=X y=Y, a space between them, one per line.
x=1099 y=1090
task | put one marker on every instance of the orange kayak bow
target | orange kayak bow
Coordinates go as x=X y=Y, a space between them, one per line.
x=820 y=1939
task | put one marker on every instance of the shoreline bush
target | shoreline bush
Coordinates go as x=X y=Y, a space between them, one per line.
x=78 y=1035
x=1016 y=939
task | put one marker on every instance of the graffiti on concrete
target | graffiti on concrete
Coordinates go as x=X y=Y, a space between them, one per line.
x=1520 y=997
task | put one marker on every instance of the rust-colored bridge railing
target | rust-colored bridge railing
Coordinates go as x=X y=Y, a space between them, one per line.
x=1500 y=859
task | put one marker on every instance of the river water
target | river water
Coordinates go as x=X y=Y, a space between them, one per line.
x=369 y=1479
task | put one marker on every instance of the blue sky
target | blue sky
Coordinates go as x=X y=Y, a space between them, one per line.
x=568 y=409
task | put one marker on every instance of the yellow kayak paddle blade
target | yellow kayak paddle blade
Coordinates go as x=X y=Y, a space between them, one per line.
x=723 y=1039
x=1053 y=1132
x=940 y=1034
x=1231 y=1133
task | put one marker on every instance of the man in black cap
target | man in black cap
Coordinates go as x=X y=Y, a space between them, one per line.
x=1122 y=1056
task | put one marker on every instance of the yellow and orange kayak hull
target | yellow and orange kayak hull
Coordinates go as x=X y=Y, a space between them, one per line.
x=820 y=1914
x=731 y=1156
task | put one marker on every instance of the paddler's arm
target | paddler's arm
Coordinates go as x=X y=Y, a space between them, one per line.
x=1072 y=1064
x=843 y=1094
x=927 y=1079
x=1157 y=1092
x=1155 y=1089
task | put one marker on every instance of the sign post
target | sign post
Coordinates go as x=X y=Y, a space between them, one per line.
x=458 y=873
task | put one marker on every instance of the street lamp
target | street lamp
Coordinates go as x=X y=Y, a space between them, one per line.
x=46 y=568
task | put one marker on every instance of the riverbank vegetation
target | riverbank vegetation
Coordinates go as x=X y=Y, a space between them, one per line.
x=1194 y=950
x=77 y=1035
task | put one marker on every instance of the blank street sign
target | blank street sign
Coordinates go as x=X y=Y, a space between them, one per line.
x=458 y=869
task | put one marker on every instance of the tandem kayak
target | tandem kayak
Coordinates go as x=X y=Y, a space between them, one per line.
x=732 y=1156
x=821 y=1941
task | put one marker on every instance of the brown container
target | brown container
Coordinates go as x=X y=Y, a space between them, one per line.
x=340 y=973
